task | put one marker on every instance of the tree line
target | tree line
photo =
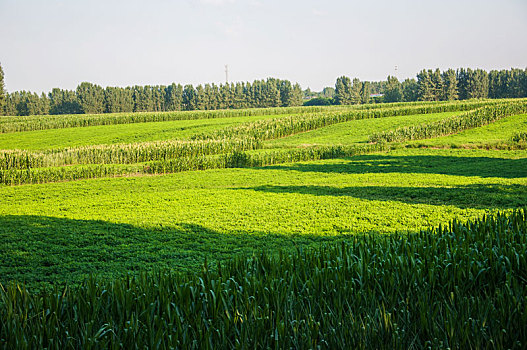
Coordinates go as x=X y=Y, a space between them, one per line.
x=93 y=99
x=434 y=85
x=429 y=85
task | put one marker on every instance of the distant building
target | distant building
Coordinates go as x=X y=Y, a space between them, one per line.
x=376 y=95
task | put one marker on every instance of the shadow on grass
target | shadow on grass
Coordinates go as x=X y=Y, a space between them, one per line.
x=468 y=196
x=42 y=250
x=448 y=165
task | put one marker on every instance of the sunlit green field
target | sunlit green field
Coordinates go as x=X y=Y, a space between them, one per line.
x=60 y=232
x=355 y=131
x=120 y=133
x=500 y=131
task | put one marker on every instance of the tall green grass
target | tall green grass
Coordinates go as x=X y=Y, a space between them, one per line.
x=462 y=285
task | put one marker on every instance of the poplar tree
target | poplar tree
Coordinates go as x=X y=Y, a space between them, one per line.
x=425 y=89
x=44 y=104
x=365 y=92
x=342 y=91
x=355 y=92
x=478 y=84
x=189 y=98
x=10 y=105
x=90 y=98
x=437 y=84
x=410 y=90
x=286 y=93
x=63 y=102
x=174 y=97
x=462 y=77
x=450 y=91
x=393 y=91
x=296 y=98
x=2 y=92
x=200 y=98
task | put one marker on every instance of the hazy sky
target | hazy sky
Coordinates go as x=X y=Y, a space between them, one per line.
x=53 y=43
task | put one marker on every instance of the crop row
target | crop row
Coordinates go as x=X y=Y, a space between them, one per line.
x=472 y=119
x=285 y=126
x=459 y=286
x=246 y=136
x=122 y=153
x=29 y=123
x=519 y=137
x=236 y=159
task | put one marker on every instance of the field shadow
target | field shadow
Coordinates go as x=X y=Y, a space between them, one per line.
x=44 y=251
x=494 y=196
x=447 y=165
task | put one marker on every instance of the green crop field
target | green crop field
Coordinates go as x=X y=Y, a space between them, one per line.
x=105 y=206
x=355 y=131
x=60 y=231
x=120 y=133
x=500 y=132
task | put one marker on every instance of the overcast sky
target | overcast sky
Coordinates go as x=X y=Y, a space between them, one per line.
x=54 y=43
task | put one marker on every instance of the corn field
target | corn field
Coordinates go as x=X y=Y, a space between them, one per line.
x=472 y=119
x=235 y=159
x=228 y=147
x=39 y=122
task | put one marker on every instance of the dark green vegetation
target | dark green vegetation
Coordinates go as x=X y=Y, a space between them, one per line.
x=94 y=99
x=434 y=85
x=459 y=286
x=2 y=91
x=355 y=255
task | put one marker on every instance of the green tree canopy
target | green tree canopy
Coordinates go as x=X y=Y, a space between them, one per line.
x=2 y=92
x=393 y=91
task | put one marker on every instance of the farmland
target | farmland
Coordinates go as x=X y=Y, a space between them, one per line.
x=120 y=198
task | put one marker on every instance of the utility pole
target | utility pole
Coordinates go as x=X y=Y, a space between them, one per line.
x=396 y=72
x=226 y=74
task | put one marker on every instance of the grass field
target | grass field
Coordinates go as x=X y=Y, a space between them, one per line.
x=60 y=232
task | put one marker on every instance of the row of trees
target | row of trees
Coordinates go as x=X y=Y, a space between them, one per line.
x=350 y=93
x=91 y=98
x=2 y=90
x=430 y=85
x=434 y=85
